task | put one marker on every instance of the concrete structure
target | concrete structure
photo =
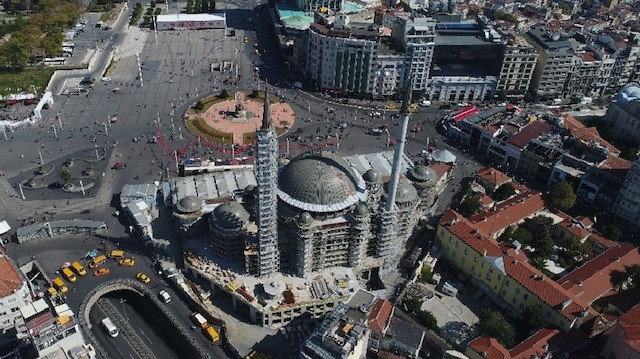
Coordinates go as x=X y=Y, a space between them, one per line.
x=344 y=333
x=623 y=114
x=554 y=62
x=518 y=63
x=583 y=76
x=417 y=36
x=267 y=200
x=14 y=295
x=62 y=227
x=191 y=21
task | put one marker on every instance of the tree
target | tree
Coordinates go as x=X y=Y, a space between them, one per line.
x=612 y=231
x=470 y=206
x=493 y=324
x=224 y=94
x=522 y=235
x=204 y=8
x=65 y=175
x=566 y=9
x=562 y=196
x=574 y=251
x=626 y=279
x=587 y=4
x=428 y=320
x=199 y=106
x=506 y=235
x=197 y=5
x=212 y=5
x=189 y=8
x=426 y=273
x=505 y=191
x=534 y=318
x=254 y=94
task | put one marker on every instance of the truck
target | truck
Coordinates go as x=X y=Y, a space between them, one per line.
x=199 y=319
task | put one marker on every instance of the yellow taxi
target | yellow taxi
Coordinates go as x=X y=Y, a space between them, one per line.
x=101 y=272
x=143 y=278
x=390 y=106
x=127 y=262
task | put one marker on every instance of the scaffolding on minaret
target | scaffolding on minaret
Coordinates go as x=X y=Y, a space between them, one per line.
x=267 y=200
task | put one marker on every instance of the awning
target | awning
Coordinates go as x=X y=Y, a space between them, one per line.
x=465 y=112
x=4 y=227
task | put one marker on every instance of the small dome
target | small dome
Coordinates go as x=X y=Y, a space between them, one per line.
x=274 y=287
x=422 y=173
x=360 y=210
x=405 y=192
x=189 y=204
x=249 y=188
x=305 y=219
x=230 y=215
x=372 y=176
x=628 y=93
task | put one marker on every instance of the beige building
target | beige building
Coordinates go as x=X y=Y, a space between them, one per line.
x=554 y=62
x=519 y=61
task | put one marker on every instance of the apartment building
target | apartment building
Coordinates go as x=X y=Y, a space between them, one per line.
x=583 y=76
x=14 y=295
x=518 y=63
x=554 y=62
x=417 y=37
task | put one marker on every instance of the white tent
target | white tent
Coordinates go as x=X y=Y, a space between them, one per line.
x=4 y=227
x=443 y=156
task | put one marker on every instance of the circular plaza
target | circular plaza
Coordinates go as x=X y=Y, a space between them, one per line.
x=234 y=119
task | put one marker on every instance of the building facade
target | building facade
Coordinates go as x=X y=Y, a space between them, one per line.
x=518 y=63
x=14 y=295
x=554 y=62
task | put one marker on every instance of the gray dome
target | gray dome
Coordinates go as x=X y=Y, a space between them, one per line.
x=360 y=210
x=318 y=178
x=230 y=215
x=628 y=93
x=372 y=176
x=189 y=204
x=405 y=192
x=305 y=219
x=422 y=173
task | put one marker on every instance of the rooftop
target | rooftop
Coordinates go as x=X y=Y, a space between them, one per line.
x=509 y=212
x=630 y=324
x=489 y=347
x=493 y=176
x=10 y=278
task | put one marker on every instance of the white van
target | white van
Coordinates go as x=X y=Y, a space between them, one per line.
x=111 y=329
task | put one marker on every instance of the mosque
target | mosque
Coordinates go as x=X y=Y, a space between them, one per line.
x=315 y=212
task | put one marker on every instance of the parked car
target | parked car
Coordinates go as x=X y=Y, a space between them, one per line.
x=143 y=278
x=101 y=272
x=127 y=262
x=164 y=295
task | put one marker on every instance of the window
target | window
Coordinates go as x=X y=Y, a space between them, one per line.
x=518 y=290
x=525 y=296
x=490 y=274
x=466 y=251
x=507 y=283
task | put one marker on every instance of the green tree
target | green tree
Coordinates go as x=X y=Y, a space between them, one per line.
x=426 y=273
x=522 y=235
x=197 y=6
x=534 y=319
x=224 y=94
x=506 y=235
x=428 y=320
x=562 y=195
x=495 y=325
x=204 y=8
x=254 y=94
x=65 y=175
x=505 y=191
x=212 y=5
x=566 y=9
x=627 y=279
x=612 y=231
x=470 y=206
x=574 y=251
x=199 y=106
x=587 y=4
x=189 y=8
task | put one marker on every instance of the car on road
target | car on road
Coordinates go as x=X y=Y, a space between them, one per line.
x=390 y=106
x=60 y=285
x=101 y=272
x=98 y=261
x=414 y=107
x=143 y=278
x=246 y=40
x=127 y=262
x=52 y=291
x=78 y=268
x=164 y=295
x=255 y=51
x=106 y=79
x=68 y=274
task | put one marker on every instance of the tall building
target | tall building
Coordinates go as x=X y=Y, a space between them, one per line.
x=267 y=199
x=417 y=36
x=627 y=204
x=554 y=62
x=518 y=62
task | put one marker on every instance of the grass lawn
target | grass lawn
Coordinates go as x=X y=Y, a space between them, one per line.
x=22 y=80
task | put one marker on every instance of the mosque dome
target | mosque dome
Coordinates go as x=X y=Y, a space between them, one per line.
x=423 y=174
x=230 y=215
x=305 y=219
x=372 y=176
x=628 y=93
x=405 y=192
x=189 y=204
x=360 y=210
x=320 y=182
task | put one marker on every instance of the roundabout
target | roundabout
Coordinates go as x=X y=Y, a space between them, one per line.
x=234 y=119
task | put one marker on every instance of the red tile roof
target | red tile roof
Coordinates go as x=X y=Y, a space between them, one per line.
x=530 y=132
x=630 y=324
x=463 y=229
x=489 y=348
x=10 y=278
x=509 y=212
x=592 y=280
x=615 y=163
x=588 y=56
x=586 y=222
x=534 y=345
x=486 y=201
x=439 y=168
x=588 y=134
x=602 y=241
x=379 y=315
x=493 y=176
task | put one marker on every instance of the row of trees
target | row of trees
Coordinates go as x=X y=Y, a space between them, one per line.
x=42 y=35
x=424 y=317
x=200 y=6
x=494 y=324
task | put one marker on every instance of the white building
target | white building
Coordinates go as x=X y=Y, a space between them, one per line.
x=14 y=295
x=191 y=21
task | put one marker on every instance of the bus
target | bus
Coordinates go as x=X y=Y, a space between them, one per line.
x=110 y=328
x=48 y=61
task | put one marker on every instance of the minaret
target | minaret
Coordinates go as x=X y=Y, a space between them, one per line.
x=399 y=148
x=267 y=201
x=389 y=244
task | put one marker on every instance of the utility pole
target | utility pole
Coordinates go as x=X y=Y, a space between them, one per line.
x=55 y=133
x=139 y=69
